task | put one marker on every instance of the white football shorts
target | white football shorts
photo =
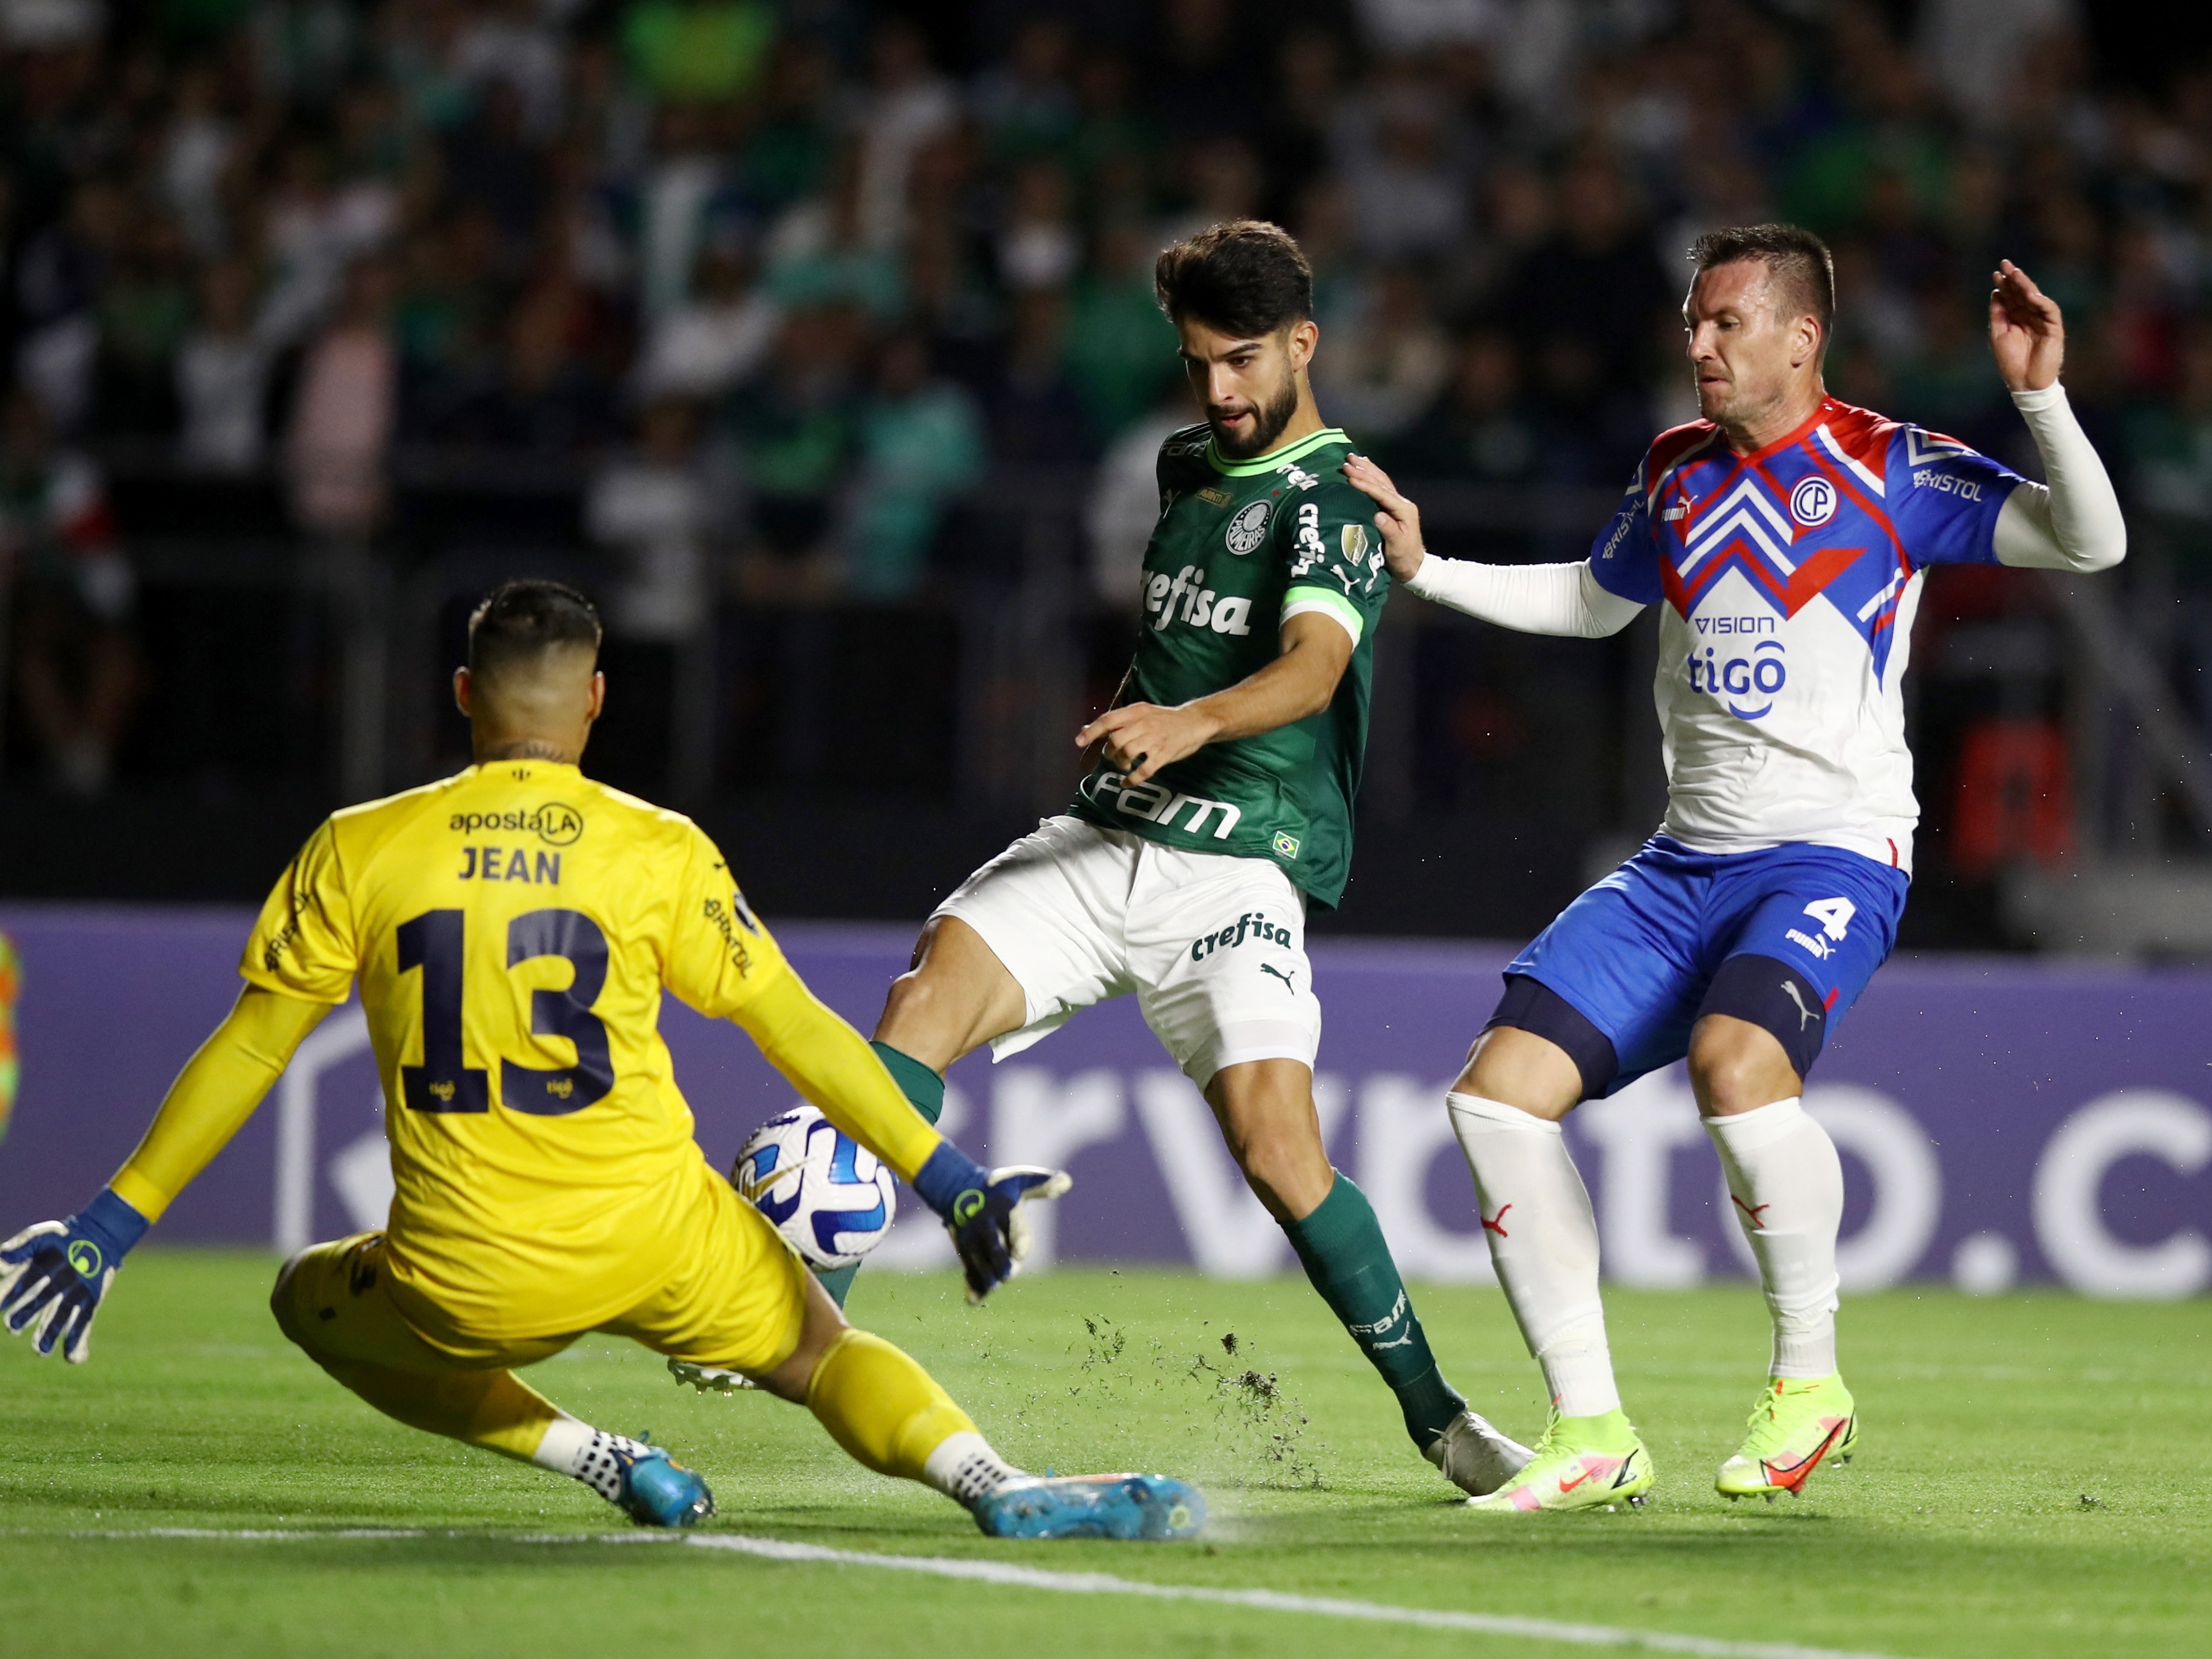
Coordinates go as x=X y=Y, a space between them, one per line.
x=1214 y=945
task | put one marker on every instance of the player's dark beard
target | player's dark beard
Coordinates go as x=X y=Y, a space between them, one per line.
x=1274 y=417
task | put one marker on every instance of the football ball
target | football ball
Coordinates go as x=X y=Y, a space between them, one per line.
x=830 y=1196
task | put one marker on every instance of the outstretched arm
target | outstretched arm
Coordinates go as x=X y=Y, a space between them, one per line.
x=832 y=1066
x=2074 y=522
x=53 y=1276
x=214 y=1095
x=829 y=1063
x=1143 y=737
x=1531 y=598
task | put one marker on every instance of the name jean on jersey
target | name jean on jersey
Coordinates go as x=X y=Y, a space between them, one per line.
x=508 y=864
x=1156 y=803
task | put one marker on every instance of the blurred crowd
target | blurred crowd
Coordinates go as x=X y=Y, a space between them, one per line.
x=788 y=279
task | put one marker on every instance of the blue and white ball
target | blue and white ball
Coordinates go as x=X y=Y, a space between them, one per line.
x=830 y=1196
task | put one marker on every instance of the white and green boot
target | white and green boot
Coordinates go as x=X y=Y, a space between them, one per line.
x=1798 y=1424
x=1580 y=1463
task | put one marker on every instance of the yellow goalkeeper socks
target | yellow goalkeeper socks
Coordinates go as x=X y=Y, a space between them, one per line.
x=890 y=1414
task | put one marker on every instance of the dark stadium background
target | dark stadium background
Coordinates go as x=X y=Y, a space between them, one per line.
x=815 y=339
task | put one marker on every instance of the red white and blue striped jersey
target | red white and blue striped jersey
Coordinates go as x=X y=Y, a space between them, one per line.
x=1789 y=579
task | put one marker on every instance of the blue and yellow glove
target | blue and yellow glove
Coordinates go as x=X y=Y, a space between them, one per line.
x=982 y=1210
x=53 y=1276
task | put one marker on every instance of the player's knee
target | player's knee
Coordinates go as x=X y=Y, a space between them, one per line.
x=1758 y=1032
x=1539 y=1052
x=1735 y=1066
x=282 y=1304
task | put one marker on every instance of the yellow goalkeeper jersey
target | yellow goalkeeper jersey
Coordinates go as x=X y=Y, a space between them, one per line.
x=511 y=929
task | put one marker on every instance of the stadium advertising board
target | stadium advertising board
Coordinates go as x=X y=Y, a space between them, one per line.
x=2000 y=1122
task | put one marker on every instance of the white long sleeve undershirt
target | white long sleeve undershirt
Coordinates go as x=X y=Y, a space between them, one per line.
x=2073 y=523
x=1533 y=599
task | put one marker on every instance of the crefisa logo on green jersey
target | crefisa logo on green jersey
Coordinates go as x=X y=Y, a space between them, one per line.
x=1247 y=529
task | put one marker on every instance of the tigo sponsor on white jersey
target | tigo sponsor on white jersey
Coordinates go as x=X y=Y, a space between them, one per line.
x=1789 y=579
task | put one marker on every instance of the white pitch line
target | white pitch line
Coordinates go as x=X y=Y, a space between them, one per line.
x=1014 y=1576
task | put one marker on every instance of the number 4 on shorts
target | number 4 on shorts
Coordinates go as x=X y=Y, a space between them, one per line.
x=1834 y=915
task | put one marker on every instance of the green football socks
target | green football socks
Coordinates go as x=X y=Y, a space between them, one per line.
x=1344 y=1254
x=924 y=1087
x=926 y=1090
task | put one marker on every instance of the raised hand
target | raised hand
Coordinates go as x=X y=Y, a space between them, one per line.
x=1400 y=520
x=2027 y=333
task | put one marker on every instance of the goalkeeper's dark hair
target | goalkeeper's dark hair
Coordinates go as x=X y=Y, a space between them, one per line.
x=1244 y=277
x=519 y=622
x=1797 y=262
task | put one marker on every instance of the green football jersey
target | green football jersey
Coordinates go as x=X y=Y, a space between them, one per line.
x=1240 y=547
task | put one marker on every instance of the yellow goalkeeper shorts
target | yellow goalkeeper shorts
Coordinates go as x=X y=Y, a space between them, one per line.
x=734 y=1296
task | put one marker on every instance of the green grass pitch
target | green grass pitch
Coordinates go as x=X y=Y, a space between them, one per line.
x=1962 y=1528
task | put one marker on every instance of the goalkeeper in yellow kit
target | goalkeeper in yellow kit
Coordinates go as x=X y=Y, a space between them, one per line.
x=511 y=929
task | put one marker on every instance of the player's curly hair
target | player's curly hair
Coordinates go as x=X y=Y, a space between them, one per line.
x=1798 y=261
x=522 y=619
x=1244 y=277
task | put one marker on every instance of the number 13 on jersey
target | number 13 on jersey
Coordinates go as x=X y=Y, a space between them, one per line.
x=436 y=942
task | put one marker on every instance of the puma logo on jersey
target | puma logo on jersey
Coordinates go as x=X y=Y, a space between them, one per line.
x=1288 y=984
x=1185 y=595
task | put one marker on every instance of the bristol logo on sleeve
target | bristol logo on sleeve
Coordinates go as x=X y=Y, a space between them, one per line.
x=1813 y=502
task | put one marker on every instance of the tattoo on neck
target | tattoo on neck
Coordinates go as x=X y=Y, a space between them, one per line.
x=529 y=748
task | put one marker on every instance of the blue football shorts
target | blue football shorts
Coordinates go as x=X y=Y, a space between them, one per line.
x=1674 y=934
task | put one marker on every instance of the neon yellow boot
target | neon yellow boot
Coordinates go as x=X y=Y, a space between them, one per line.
x=1798 y=1425
x=1580 y=1463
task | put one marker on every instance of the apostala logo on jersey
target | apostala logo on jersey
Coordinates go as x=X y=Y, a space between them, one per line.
x=1247 y=529
x=555 y=823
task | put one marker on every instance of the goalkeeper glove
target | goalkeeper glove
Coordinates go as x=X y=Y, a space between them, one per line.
x=53 y=1276
x=981 y=1209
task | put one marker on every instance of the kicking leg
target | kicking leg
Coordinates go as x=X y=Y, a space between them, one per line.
x=1266 y=1110
x=957 y=997
x=1505 y=1110
x=1787 y=1185
x=330 y=1300
x=890 y=1414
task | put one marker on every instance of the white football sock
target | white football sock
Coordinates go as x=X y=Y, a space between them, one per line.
x=583 y=1453
x=1543 y=1239
x=965 y=1468
x=1788 y=1185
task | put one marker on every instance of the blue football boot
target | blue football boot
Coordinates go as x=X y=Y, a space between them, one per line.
x=1127 y=1506
x=657 y=1491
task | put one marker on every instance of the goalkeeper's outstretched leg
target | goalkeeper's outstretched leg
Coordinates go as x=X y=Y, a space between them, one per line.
x=330 y=1300
x=888 y=1412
